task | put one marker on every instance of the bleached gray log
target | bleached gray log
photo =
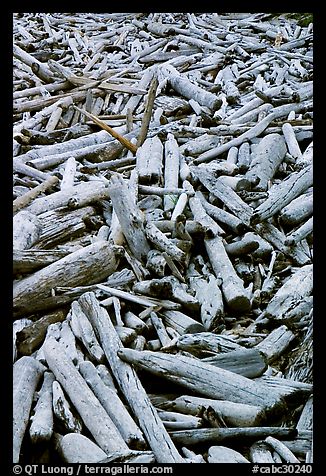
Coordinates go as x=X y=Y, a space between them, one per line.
x=203 y=378
x=251 y=133
x=175 y=420
x=131 y=387
x=85 y=266
x=209 y=296
x=234 y=414
x=77 y=448
x=27 y=261
x=68 y=176
x=277 y=238
x=260 y=453
x=163 y=243
x=200 y=214
x=41 y=428
x=245 y=245
x=106 y=376
x=238 y=183
x=160 y=329
x=282 y=194
x=134 y=322
x=171 y=169
x=232 y=286
x=222 y=454
x=77 y=196
x=266 y=157
x=147 y=302
x=38 y=68
x=126 y=335
x=225 y=193
x=276 y=343
x=193 y=457
x=288 y=389
x=182 y=323
x=138 y=343
x=244 y=157
x=207 y=341
x=169 y=226
x=26 y=376
x=83 y=330
x=282 y=450
x=63 y=411
x=189 y=90
x=305 y=421
x=295 y=288
x=26 y=230
x=89 y=408
x=298 y=210
x=113 y=406
x=130 y=217
x=306 y=158
x=291 y=141
x=218 y=435
x=132 y=456
x=300 y=233
x=301 y=445
x=222 y=216
x=250 y=363
x=149 y=160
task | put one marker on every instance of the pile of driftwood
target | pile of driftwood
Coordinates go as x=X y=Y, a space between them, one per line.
x=162 y=238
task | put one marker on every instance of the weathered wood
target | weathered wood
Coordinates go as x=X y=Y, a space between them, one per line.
x=182 y=323
x=29 y=196
x=27 y=261
x=85 y=266
x=77 y=448
x=266 y=158
x=89 y=408
x=26 y=375
x=222 y=454
x=250 y=363
x=234 y=414
x=260 y=453
x=201 y=377
x=219 y=435
x=130 y=217
x=232 y=286
x=171 y=175
x=298 y=210
x=63 y=411
x=206 y=341
x=41 y=428
x=26 y=230
x=282 y=450
x=163 y=243
x=29 y=338
x=282 y=194
x=149 y=160
x=113 y=406
x=129 y=383
x=300 y=233
x=148 y=111
x=276 y=343
x=297 y=287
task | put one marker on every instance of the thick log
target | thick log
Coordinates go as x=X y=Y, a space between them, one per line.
x=131 y=387
x=77 y=196
x=32 y=336
x=27 y=261
x=206 y=341
x=296 y=287
x=130 y=217
x=114 y=407
x=189 y=90
x=26 y=375
x=219 y=435
x=232 y=286
x=89 y=408
x=163 y=243
x=298 y=210
x=182 y=323
x=149 y=160
x=282 y=450
x=86 y=266
x=266 y=158
x=171 y=170
x=233 y=414
x=300 y=233
x=276 y=343
x=250 y=363
x=203 y=378
x=41 y=429
x=77 y=448
x=222 y=454
x=26 y=230
x=282 y=194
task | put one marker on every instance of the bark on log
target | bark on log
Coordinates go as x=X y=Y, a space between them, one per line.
x=156 y=435
x=26 y=375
